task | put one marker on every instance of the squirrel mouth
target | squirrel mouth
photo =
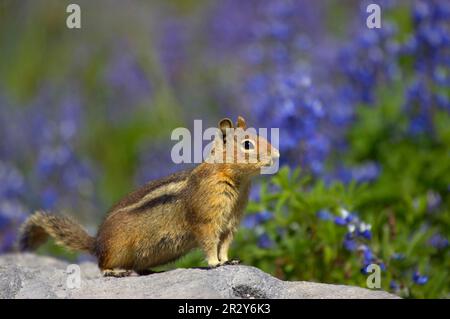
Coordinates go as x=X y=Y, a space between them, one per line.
x=272 y=159
x=268 y=163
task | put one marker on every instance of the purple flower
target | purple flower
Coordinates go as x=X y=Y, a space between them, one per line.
x=7 y=240
x=438 y=241
x=264 y=241
x=49 y=198
x=365 y=172
x=349 y=235
x=350 y=218
x=172 y=48
x=368 y=256
x=255 y=193
x=364 y=269
x=419 y=279
x=250 y=221
x=367 y=234
x=45 y=144
x=4 y=221
x=265 y=216
x=127 y=77
x=433 y=200
x=12 y=214
x=12 y=182
x=340 y=221
x=350 y=244
x=394 y=285
x=324 y=214
x=253 y=220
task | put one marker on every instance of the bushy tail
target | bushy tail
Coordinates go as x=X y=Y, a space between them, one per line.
x=65 y=231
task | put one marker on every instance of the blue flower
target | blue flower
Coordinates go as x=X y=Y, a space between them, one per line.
x=367 y=234
x=366 y=172
x=4 y=221
x=12 y=184
x=264 y=241
x=419 y=279
x=368 y=256
x=438 y=241
x=394 y=285
x=340 y=221
x=253 y=220
x=350 y=244
x=364 y=269
x=127 y=78
x=7 y=240
x=250 y=221
x=12 y=214
x=264 y=216
x=49 y=198
x=433 y=200
x=324 y=214
x=255 y=193
x=350 y=218
x=45 y=146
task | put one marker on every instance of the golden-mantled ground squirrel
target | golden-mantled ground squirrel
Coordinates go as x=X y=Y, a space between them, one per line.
x=166 y=218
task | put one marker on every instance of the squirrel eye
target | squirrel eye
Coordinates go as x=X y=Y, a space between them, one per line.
x=248 y=145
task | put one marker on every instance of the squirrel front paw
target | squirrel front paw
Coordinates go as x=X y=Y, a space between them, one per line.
x=224 y=263
x=214 y=263
x=232 y=262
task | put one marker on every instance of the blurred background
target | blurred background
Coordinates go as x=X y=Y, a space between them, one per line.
x=86 y=116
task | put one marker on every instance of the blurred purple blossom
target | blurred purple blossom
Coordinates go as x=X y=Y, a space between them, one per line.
x=438 y=241
x=357 y=237
x=172 y=48
x=47 y=171
x=419 y=279
x=252 y=220
x=264 y=241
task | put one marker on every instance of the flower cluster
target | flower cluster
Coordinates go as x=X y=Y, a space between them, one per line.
x=126 y=83
x=367 y=61
x=47 y=173
x=357 y=237
x=12 y=209
x=255 y=221
x=365 y=172
x=428 y=48
x=309 y=84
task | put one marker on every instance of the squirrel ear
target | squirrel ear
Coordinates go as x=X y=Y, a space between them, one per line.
x=241 y=123
x=225 y=124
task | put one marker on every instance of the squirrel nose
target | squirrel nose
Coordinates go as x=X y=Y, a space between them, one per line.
x=275 y=154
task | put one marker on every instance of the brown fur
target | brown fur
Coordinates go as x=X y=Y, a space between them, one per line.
x=164 y=219
x=64 y=230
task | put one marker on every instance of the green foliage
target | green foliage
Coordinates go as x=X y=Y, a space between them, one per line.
x=307 y=248
x=406 y=206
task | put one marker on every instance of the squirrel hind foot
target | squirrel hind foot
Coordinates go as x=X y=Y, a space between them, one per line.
x=118 y=273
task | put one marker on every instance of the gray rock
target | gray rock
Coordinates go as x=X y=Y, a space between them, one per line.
x=32 y=276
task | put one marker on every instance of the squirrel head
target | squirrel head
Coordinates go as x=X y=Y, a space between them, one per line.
x=242 y=148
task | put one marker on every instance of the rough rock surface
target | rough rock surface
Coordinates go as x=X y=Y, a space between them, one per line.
x=32 y=276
